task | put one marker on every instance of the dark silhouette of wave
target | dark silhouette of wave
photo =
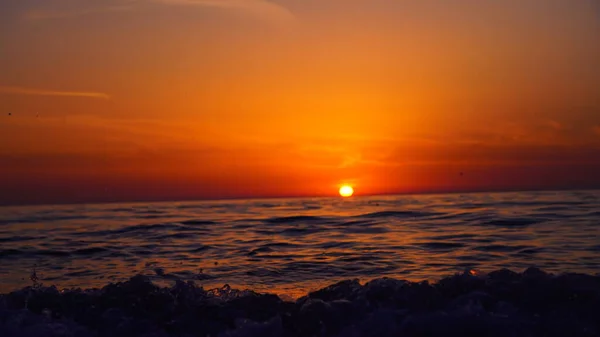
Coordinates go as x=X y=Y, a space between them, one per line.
x=501 y=303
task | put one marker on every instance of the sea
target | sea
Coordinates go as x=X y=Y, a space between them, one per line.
x=290 y=247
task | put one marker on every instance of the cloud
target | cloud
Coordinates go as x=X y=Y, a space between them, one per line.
x=350 y=160
x=41 y=92
x=43 y=14
x=262 y=8
x=552 y=124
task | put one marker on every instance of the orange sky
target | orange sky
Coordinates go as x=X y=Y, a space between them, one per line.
x=176 y=99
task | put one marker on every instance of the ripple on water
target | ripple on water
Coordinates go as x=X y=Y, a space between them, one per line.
x=531 y=251
x=306 y=240
x=452 y=237
x=440 y=245
x=516 y=222
x=299 y=231
x=335 y=244
x=500 y=248
x=10 y=252
x=19 y=238
x=42 y=219
x=282 y=245
x=199 y=249
x=365 y=230
x=91 y=251
x=198 y=223
x=261 y=250
x=397 y=214
x=295 y=219
x=175 y=236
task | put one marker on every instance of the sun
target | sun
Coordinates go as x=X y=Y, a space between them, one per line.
x=346 y=191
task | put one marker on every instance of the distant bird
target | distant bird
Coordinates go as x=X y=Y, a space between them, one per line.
x=10 y=114
x=462 y=173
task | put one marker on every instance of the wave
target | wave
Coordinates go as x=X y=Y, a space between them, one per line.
x=144 y=229
x=85 y=252
x=366 y=229
x=501 y=248
x=91 y=251
x=516 y=222
x=532 y=203
x=173 y=236
x=295 y=219
x=397 y=214
x=37 y=219
x=199 y=249
x=10 y=252
x=261 y=250
x=531 y=251
x=462 y=236
x=280 y=245
x=501 y=303
x=434 y=245
x=19 y=238
x=299 y=231
x=197 y=223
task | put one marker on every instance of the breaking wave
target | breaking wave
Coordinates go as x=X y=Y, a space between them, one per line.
x=501 y=303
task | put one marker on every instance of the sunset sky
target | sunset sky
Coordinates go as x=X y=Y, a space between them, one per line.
x=124 y=100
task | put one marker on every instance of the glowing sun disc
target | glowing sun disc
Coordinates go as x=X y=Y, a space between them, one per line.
x=346 y=191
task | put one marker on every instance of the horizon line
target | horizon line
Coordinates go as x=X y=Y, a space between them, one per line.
x=217 y=199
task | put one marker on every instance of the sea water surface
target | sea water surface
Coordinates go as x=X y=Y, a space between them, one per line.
x=292 y=246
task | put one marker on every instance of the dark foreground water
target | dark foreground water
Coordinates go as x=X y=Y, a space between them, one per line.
x=499 y=304
x=293 y=246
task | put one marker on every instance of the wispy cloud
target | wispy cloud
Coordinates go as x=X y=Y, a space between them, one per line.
x=262 y=8
x=554 y=125
x=44 y=14
x=41 y=92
